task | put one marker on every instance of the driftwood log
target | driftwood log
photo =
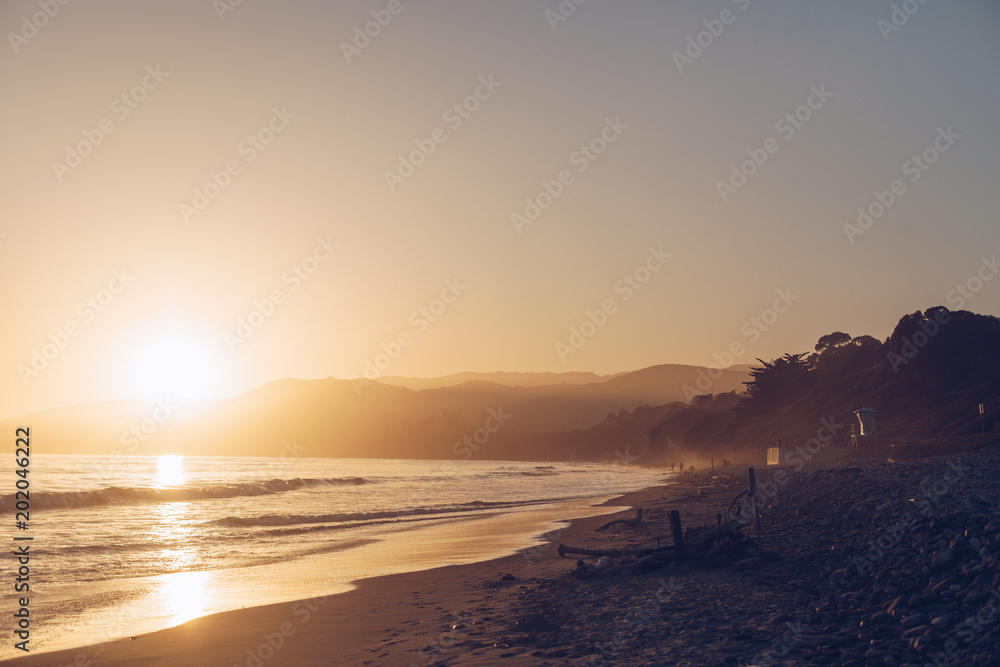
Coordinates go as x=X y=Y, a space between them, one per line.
x=726 y=536
x=628 y=522
x=714 y=534
x=614 y=553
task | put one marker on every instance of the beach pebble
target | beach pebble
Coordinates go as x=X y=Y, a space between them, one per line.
x=943 y=559
x=942 y=621
x=880 y=617
x=975 y=598
x=897 y=606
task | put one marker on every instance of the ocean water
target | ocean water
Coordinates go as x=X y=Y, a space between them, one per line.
x=132 y=544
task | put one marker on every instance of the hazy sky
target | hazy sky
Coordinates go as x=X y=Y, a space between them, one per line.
x=171 y=167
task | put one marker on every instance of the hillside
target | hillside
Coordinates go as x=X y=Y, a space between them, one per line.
x=925 y=382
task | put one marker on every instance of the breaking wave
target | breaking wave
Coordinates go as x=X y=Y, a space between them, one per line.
x=116 y=495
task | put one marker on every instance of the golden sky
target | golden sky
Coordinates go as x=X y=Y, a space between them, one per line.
x=201 y=197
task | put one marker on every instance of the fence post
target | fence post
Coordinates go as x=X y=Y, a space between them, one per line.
x=756 y=509
x=675 y=528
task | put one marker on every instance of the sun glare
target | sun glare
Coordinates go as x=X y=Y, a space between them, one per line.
x=175 y=366
x=184 y=595
x=170 y=471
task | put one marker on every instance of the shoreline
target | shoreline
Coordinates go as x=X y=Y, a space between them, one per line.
x=203 y=636
x=869 y=562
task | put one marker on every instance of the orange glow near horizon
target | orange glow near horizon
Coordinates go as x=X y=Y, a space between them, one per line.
x=199 y=210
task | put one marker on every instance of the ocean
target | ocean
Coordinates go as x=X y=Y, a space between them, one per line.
x=127 y=545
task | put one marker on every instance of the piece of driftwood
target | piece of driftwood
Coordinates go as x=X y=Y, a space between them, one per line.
x=714 y=534
x=725 y=538
x=628 y=522
x=580 y=551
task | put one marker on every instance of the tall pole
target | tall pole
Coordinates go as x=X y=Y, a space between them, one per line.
x=981 y=424
x=756 y=511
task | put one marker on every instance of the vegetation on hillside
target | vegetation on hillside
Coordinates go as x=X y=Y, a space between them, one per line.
x=925 y=381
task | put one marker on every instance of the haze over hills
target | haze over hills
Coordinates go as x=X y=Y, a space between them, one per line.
x=334 y=417
x=510 y=379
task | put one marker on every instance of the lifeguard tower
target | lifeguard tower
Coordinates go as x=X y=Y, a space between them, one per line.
x=863 y=433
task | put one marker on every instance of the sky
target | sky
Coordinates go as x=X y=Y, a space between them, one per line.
x=201 y=197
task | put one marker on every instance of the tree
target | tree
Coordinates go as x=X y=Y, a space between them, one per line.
x=869 y=342
x=775 y=379
x=831 y=340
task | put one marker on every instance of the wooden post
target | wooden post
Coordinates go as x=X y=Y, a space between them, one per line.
x=756 y=508
x=675 y=528
x=982 y=425
x=713 y=464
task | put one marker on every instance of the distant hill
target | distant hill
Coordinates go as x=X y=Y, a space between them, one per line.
x=508 y=379
x=335 y=417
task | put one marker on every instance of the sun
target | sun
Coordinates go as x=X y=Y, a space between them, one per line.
x=175 y=365
x=170 y=471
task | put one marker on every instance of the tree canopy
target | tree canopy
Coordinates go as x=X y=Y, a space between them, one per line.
x=835 y=339
x=779 y=377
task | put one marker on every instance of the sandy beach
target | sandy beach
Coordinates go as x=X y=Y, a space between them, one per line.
x=875 y=563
